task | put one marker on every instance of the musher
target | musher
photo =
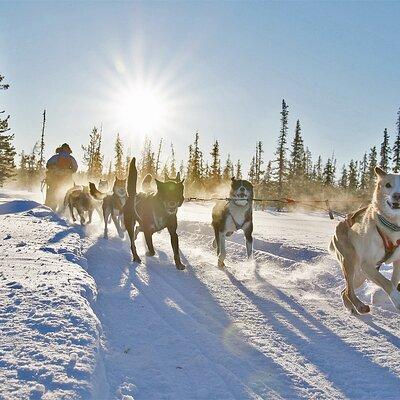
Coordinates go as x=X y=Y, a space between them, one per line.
x=59 y=171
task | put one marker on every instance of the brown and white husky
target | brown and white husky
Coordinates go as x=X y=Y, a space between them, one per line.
x=113 y=204
x=368 y=238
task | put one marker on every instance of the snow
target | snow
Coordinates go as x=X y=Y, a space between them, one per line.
x=79 y=320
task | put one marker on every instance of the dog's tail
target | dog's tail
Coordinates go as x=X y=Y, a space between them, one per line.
x=132 y=178
x=96 y=193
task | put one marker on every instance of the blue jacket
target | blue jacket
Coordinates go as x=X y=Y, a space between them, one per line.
x=62 y=161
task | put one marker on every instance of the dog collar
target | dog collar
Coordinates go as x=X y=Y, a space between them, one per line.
x=389 y=225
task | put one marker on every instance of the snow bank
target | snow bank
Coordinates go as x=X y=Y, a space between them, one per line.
x=50 y=337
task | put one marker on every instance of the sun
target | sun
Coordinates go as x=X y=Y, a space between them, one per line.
x=141 y=109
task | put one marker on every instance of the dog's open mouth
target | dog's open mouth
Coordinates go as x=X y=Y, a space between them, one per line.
x=394 y=206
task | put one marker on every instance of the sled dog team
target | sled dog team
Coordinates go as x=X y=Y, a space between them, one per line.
x=150 y=212
x=361 y=243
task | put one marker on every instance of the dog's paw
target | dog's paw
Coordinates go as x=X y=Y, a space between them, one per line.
x=136 y=259
x=363 y=309
x=221 y=264
x=180 y=266
x=150 y=253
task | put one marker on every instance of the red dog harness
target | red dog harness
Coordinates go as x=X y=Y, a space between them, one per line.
x=390 y=247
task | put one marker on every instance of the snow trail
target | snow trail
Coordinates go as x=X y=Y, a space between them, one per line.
x=273 y=328
x=79 y=320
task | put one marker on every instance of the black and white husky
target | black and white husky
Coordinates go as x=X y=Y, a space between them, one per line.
x=234 y=214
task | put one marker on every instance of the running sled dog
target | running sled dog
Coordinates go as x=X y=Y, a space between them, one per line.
x=79 y=198
x=113 y=204
x=232 y=215
x=368 y=238
x=153 y=212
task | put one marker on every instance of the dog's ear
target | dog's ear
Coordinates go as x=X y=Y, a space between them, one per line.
x=233 y=179
x=183 y=180
x=159 y=184
x=380 y=172
x=167 y=178
x=178 y=177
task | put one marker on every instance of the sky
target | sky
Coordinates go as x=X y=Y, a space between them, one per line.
x=167 y=69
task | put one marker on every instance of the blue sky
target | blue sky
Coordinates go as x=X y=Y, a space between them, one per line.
x=223 y=67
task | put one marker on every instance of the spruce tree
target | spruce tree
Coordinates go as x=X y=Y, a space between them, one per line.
x=41 y=162
x=353 y=178
x=7 y=150
x=385 y=151
x=228 y=172
x=281 y=150
x=157 y=167
x=119 y=164
x=92 y=156
x=328 y=176
x=297 y=163
x=258 y=172
x=318 y=170
x=308 y=167
x=238 y=172
x=268 y=173
x=344 y=180
x=147 y=162
x=363 y=172
x=252 y=171
x=172 y=167
x=194 y=168
x=215 y=168
x=372 y=163
x=396 y=147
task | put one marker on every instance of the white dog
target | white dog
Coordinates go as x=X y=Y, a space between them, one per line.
x=368 y=238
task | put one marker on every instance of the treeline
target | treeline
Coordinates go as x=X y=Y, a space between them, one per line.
x=293 y=171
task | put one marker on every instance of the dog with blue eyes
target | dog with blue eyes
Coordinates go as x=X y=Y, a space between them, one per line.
x=369 y=238
x=233 y=214
x=153 y=212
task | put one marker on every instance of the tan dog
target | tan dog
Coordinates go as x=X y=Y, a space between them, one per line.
x=113 y=204
x=79 y=197
x=368 y=238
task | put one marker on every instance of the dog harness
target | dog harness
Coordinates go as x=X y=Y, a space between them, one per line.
x=389 y=246
x=237 y=225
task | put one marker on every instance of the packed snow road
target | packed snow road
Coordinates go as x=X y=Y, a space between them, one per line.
x=270 y=328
